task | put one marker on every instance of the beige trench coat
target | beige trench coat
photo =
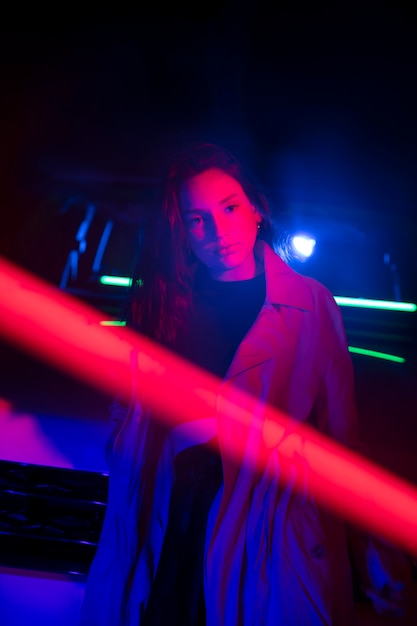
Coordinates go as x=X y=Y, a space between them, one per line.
x=272 y=555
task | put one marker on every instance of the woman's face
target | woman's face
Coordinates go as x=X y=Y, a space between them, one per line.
x=221 y=224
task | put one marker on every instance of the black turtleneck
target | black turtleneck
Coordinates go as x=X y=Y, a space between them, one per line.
x=219 y=318
x=221 y=315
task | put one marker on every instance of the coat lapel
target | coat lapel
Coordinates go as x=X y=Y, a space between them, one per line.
x=284 y=288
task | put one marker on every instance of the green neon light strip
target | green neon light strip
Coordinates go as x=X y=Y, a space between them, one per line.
x=363 y=351
x=118 y=281
x=377 y=355
x=365 y=303
x=376 y=304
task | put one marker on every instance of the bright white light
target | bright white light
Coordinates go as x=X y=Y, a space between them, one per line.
x=304 y=245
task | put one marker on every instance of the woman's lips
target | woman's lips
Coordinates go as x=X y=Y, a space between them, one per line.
x=225 y=250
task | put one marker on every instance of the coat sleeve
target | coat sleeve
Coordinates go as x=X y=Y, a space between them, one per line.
x=337 y=412
x=121 y=407
x=118 y=410
x=382 y=571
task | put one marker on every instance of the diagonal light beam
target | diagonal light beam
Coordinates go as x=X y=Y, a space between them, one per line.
x=68 y=334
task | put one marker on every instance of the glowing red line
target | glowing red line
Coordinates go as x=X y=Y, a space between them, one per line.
x=67 y=333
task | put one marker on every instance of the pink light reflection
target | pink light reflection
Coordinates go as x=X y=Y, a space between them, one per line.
x=67 y=333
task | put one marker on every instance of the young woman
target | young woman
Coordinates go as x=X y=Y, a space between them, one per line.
x=193 y=535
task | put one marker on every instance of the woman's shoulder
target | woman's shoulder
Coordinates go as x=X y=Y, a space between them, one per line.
x=289 y=287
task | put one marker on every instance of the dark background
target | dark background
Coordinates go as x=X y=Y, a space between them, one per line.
x=319 y=100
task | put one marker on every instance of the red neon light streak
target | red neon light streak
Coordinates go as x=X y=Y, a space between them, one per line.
x=68 y=334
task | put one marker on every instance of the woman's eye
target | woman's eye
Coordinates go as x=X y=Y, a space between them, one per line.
x=231 y=208
x=194 y=221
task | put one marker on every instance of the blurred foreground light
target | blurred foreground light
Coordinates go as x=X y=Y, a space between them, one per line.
x=364 y=303
x=53 y=326
x=303 y=245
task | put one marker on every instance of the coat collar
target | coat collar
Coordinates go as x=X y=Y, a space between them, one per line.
x=284 y=286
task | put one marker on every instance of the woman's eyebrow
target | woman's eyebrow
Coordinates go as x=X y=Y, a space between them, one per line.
x=197 y=210
x=233 y=195
x=189 y=211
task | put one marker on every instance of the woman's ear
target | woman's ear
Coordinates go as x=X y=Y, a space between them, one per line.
x=259 y=218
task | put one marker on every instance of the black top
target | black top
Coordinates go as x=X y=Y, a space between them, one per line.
x=220 y=317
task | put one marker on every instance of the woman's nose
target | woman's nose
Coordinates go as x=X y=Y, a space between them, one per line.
x=219 y=226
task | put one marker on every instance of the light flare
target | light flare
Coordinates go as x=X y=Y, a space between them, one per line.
x=68 y=334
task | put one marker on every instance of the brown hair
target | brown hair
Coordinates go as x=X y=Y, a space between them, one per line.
x=166 y=264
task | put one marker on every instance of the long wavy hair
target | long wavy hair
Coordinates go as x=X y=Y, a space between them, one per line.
x=163 y=277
